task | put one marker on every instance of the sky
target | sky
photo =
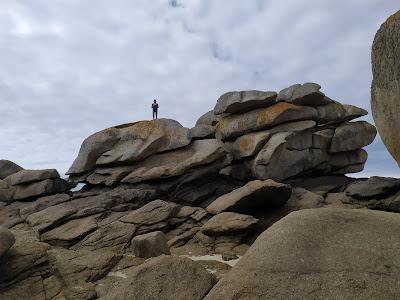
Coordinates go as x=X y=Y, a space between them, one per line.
x=70 y=68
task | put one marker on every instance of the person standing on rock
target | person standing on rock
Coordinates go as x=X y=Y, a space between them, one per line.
x=154 y=106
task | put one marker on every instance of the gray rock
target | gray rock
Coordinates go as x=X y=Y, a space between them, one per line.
x=153 y=213
x=27 y=176
x=337 y=113
x=254 y=195
x=278 y=160
x=8 y=168
x=7 y=239
x=343 y=162
x=165 y=277
x=150 y=245
x=228 y=223
x=352 y=136
x=305 y=94
x=244 y=101
x=171 y=164
x=70 y=232
x=202 y=132
x=209 y=118
x=129 y=143
x=250 y=144
x=285 y=261
x=385 y=88
x=114 y=236
x=373 y=188
x=240 y=124
x=34 y=189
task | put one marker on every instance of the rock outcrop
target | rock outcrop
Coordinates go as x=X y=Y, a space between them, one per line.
x=27 y=184
x=249 y=134
x=156 y=188
x=385 y=89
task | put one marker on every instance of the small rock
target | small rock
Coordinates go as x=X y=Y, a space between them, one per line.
x=228 y=223
x=305 y=94
x=150 y=245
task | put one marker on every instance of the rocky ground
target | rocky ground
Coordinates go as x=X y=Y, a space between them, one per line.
x=166 y=211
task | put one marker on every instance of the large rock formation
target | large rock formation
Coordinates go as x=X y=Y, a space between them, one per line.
x=355 y=256
x=259 y=135
x=155 y=187
x=385 y=89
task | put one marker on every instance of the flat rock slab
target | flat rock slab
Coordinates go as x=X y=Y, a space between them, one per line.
x=334 y=113
x=9 y=193
x=294 y=258
x=165 y=277
x=7 y=168
x=151 y=244
x=244 y=101
x=373 y=188
x=27 y=176
x=154 y=212
x=240 y=124
x=304 y=94
x=175 y=163
x=228 y=223
x=254 y=195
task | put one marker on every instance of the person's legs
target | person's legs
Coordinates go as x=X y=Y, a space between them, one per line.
x=154 y=113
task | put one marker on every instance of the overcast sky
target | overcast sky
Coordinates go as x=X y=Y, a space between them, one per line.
x=70 y=68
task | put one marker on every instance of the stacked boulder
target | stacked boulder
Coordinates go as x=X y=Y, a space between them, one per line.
x=296 y=131
x=249 y=135
x=17 y=184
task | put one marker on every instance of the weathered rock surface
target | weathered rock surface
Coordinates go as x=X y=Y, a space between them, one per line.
x=255 y=194
x=352 y=136
x=385 y=88
x=244 y=101
x=150 y=245
x=27 y=176
x=228 y=223
x=8 y=168
x=170 y=164
x=7 y=239
x=373 y=188
x=304 y=94
x=9 y=193
x=129 y=143
x=250 y=144
x=202 y=132
x=296 y=259
x=239 y=124
x=165 y=277
x=336 y=113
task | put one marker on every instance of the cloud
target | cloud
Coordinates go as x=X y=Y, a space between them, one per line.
x=70 y=68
